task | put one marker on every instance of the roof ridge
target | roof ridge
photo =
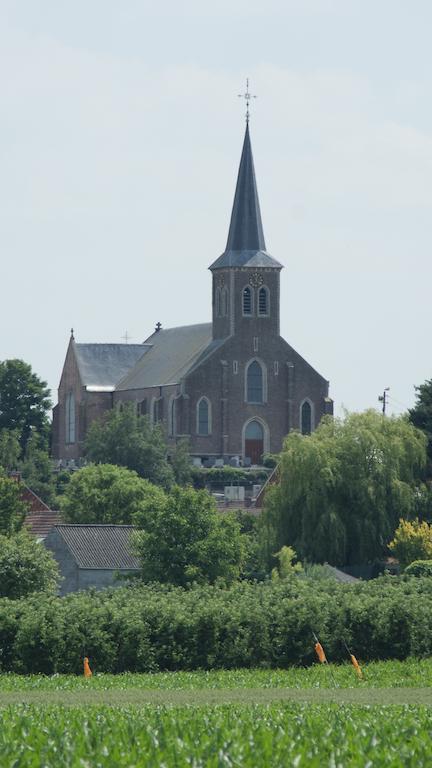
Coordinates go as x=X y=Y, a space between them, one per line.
x=93 y=525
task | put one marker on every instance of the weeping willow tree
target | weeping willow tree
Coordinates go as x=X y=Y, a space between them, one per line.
x=343 y=489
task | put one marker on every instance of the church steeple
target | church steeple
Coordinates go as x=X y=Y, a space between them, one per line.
x=246 y=245
x=246 y=230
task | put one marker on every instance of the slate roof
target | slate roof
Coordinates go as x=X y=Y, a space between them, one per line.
x=103 y=365
x=172 y=352
x=341 y=576
x=246 y=245
x=99 y=546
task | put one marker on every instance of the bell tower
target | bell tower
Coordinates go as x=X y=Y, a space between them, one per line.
x=245 y=277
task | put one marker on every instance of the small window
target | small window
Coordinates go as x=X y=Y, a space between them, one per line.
x=255 y=344
x=247 y=301
x=203 y=417
x=276 y=367
x=254 y=383
x=263 y=302
x=235 y=366
x=306 y=418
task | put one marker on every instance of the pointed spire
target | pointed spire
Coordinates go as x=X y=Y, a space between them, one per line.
x=246 y=230
x=246 y=244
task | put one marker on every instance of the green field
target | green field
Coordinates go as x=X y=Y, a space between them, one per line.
x=299 y=717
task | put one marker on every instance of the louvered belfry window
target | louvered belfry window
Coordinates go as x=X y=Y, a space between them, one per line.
x=262 y=301
x=247 y=301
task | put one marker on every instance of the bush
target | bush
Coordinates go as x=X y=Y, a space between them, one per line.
x=146 y=628
x=419 y=568
x=26 y=567
x=218 y=477
x=412 y=541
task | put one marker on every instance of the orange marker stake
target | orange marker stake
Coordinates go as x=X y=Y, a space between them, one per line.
x=87 y=670
x=319 y=650
x=356 y=666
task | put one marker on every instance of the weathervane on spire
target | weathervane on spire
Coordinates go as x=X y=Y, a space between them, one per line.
x=247 y=96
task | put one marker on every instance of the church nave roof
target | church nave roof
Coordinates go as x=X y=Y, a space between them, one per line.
x=172 y=353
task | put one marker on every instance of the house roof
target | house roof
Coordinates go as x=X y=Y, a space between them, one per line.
x=172 y=353
x=103 y=365
x=341 y=576
x=99 y=546
x=246 y=245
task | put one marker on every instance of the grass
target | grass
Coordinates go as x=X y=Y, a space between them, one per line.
x=411 y=673
x=216 y=737
x=311 y=717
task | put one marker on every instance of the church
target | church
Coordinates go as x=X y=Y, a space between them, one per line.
x=233 y=387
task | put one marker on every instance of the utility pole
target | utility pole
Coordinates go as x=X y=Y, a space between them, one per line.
x=384 y=399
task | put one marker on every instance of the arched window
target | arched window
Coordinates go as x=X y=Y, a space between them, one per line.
x=203 y=417
x=306 y=418
x=172 y=417
x=247 y=300
x=154 y=411
x=70 y=418
x=254 y=383
x=263 y=301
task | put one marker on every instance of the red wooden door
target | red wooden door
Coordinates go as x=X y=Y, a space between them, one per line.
x=254 y=450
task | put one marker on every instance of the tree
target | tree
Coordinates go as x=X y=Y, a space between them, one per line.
x=104 y=493
x=412 y=541
x=286 y=566
x=24 y=402
x=26 y=566
x=10 y=448
x=343 y=488
x=129 y=440
x=187 y=540
x=12 y=509
x=181 y=463
x=421 y=414
x=36 y=469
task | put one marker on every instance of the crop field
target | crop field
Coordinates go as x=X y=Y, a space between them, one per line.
x=318 y=716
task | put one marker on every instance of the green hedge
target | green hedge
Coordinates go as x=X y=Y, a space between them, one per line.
x=419 y=568
x=150 y=628
x=221 y=476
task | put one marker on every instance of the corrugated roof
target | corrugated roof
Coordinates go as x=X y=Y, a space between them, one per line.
x=246 y=245
x=103 y=365
x=173 y=351
x=99 y=546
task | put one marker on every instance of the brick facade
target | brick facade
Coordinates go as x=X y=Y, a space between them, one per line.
x=245 y=330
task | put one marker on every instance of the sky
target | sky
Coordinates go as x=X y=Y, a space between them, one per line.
x=120 y=138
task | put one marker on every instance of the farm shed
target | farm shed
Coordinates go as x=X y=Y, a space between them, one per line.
x=91 y=555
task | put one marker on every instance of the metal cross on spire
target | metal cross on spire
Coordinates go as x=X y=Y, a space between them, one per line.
x=247 y=96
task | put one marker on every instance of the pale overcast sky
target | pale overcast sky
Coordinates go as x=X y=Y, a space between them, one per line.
x=120 y=138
